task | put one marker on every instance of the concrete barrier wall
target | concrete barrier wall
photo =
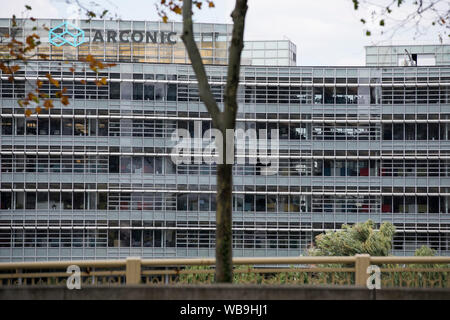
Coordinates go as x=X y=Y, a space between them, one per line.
x=221 y=292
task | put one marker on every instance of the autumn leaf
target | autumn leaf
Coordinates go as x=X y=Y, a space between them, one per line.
x=14 y=69
x=101 y=82
x=65 y=100
x=28 y=112
x=48 y=104
x=38 y=110
x=52 y=81
x=176 y=9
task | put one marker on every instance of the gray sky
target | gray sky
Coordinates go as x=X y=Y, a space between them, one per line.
x=326 y=32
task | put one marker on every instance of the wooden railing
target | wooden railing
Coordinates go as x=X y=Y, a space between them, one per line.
x=394 y=271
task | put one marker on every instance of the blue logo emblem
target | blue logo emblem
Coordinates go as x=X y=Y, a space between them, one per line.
x=70 y=34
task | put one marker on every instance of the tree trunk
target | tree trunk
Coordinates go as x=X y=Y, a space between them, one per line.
x=224 y=232
x=222 y=120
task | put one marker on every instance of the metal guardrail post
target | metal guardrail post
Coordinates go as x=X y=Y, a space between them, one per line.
x=133 y=270
x=362 y=262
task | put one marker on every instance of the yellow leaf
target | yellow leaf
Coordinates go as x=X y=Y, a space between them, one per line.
x=48 y=104
x=165 y=19
x=27 y=112
x=14 y=69
x=65 y=100
x=177 y=9
x=52 y=81
x=38 y=110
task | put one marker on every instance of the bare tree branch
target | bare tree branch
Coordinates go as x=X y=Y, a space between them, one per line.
x=204 y=89
x=234 y=63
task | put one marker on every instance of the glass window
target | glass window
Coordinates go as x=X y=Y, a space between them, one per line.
x=387 y=131
x=138 y=91
x=295 y=203
x=410 y=131
x=67 y=125
x=421 y=131
x=42 y=200
x=137 y=165
x=92 y=127
x=182 y=202
x=148 y=238
x=102 y=201
x=172 y=92
x=149 y=165
x=125 y=234
x=160 y=91
x=31 y=127
x=102 y=127
x=136 y=238
x=193 y=202
x=433 y=131
x=113 y=238
x=43 y=126
x=55 y=127
x=126 y=89
x=91 y=200
x=341 y=93
x=20 y=200
x=329 y=95
x=149 y=91
x=31 y=200
x=249 y=204
x=352 y=95
x=5 y=200
x=398 y=131
x=54 y=202
x=80 y=128
x=204 y=202
x=170 y=238
x=114 y=90
x=271 y=203
x=78 y=200
x=158 y=235
x=158 y=165
x=283 y=205
x=125 y=165
x=66 y=199
x=260 y=203
x=6 y=126
x=318 y=95
x=113 y=164
x=20 y=126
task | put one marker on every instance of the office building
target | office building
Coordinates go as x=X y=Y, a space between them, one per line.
x=95 y=180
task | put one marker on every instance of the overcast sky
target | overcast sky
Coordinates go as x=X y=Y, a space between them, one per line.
x=326 y=32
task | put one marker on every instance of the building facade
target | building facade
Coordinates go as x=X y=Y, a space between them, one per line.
x=95 y=179
x=408 y=55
